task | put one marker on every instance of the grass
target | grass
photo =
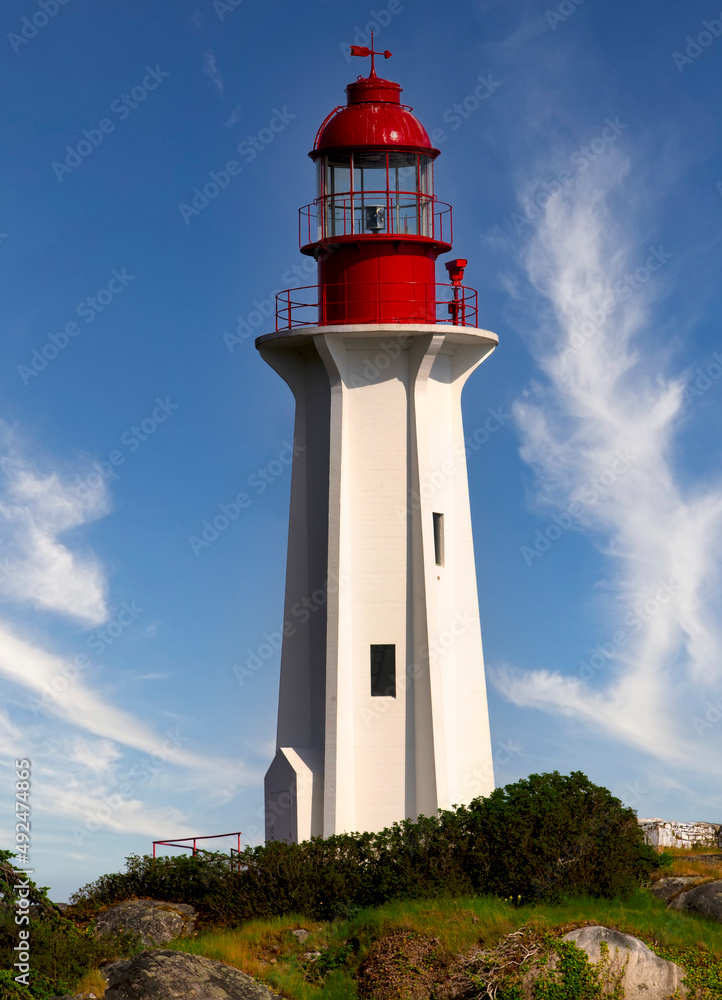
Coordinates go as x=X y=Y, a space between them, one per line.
x=93 y=982
x=681 y=852
x=684 y=864
x=268 y=951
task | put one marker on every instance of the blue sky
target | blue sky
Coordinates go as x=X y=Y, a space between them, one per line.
x=587 y=191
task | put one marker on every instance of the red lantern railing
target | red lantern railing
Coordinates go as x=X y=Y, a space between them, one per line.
x=408 y=214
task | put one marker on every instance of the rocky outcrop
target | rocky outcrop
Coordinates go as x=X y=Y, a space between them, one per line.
x=703 y=900
x=661 y=833
x=170 y=975
x=667 y=888
x=629 y=960
x=154 y=921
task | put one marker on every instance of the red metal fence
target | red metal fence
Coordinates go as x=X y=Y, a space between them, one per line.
x=186 y=842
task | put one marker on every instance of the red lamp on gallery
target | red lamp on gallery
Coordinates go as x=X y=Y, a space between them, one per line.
x=375 y=227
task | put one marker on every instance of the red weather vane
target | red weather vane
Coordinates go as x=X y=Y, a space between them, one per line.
x=363 y=50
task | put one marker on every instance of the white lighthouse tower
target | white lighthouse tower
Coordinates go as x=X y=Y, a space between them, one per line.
x=383 y=711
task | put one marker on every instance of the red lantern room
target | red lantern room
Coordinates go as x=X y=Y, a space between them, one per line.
x=376 y=226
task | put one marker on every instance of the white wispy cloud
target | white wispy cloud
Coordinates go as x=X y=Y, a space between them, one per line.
x=97 y=767
x=97 y=755
x=58 y=688
x=599 y=430
x=210 y=68
x=234 y=117
x=94 y=763
x=36 y=509
x=10 y=735
x=90 y=806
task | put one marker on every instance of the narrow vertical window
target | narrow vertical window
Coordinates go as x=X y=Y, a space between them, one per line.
x=439 y=539
x=383 y=671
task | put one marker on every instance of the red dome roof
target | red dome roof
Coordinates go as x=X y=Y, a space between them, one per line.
x=373 y=117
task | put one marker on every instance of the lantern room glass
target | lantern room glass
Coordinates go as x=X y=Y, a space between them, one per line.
x=375 y=191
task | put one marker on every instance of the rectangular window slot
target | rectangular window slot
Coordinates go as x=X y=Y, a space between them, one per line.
x=383 y=671
x=439 y=539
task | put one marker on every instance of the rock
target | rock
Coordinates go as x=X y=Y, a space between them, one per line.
x=644 y=973
x=667 y=888
x=704 y=900
x=170 y=975
x=153 y=921
x=311 y=956
x=301 y=934
x=661 y=833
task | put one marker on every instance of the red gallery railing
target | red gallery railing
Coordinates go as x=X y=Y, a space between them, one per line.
x=324 y=305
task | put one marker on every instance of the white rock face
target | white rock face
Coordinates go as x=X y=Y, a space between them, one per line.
x=661 y=833
x=645 y=974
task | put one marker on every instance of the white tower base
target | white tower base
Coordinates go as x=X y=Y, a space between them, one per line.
x=382 y=711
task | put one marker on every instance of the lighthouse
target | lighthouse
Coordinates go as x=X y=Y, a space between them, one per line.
x=382 y=706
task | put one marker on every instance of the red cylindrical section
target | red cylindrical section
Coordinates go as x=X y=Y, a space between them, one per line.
x=378 y=281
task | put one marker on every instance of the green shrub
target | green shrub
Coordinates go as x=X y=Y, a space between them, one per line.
x=11 y=877
x=60 y=953
x=538 y=839
x=185 y=879
x=9 y=989
x=551 y=835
